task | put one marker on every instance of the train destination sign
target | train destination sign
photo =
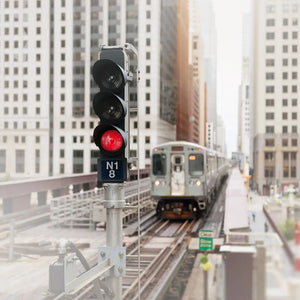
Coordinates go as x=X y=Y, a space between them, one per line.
x=111 y=170
x=206 y=240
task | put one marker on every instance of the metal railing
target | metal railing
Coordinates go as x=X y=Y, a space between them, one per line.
x=78 y=209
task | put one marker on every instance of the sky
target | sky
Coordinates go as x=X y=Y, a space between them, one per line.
x=228 y=16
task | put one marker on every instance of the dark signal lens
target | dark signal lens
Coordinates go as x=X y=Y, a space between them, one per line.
x=111 y=140
x=111 y=79
x=109 y=75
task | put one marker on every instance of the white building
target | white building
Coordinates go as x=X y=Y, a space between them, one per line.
x=244 y=129
x=25 y=88
x=209 y=38
x=46 y=89
x=276 y=105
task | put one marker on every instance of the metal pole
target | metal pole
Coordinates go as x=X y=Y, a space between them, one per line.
x=114 y=196
x=205 y=285
x=260 y=271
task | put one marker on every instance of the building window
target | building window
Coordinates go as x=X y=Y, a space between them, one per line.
x=270 y=22
x=285 y=62
x=147 y=153
x=284 y=102
x=20 y=161
x=295 y=48
x=294 y=142
x=270 y=35
x=270 y=49
x=269 y=172
x=147 y=125
x=77 y=161
x=284 y=129
x=270 y=89
x=294 y=102
x=285 y=89
x=293 y=172
x=270 y=76
x=269 y=102
x=270 y=62
x=269 y=116
x=269 y=142
x=284 y=116
x=37 y=161
x=270 y=9
x=2 y=161
x=284 y=142
x=294 y=116
x=294 y=129
x=295 y=21
x=285 y=171
x=269 y=129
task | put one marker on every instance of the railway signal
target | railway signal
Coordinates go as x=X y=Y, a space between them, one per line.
x=111 y=74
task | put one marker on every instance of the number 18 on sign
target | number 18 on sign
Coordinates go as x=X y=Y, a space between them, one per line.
x=111 y=170
x=206 y=240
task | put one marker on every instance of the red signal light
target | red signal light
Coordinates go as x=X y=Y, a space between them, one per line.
x=111 y=140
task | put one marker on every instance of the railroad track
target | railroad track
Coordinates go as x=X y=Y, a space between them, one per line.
x=151 y=268
x=23 y=220
x=163 y=249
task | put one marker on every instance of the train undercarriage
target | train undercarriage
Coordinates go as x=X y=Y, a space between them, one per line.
x=181 y=208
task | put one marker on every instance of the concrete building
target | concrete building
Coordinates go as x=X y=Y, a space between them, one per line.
x=187 y=124
x=25 y=88
x=47 y=49
x=276 y=94
x=209 y=39
x=221 y=136
x=197 y=60
x=244 y=92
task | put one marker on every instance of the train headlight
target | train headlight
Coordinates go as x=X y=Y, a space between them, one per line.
x=156 y=182
x=198 y=182
x=195 y=182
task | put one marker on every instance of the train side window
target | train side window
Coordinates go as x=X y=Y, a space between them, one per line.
x=159 y=164
x=196 y=164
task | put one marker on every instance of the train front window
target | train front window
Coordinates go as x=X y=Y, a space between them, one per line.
x=196 y=163
x=159 y=164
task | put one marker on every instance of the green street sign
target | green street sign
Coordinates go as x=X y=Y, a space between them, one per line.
x=206 y=240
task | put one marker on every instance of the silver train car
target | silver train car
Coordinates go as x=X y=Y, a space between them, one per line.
x=185 y=179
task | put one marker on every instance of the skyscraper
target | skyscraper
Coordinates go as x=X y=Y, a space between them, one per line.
x=275 y=94
x=244 y=95
x=47 y=49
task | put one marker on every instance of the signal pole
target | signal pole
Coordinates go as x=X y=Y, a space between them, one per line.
x=114 y=224
x=111 y=73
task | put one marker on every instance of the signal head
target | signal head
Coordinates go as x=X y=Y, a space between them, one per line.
x=109 y=107
x=110 y=139
x=109 y=76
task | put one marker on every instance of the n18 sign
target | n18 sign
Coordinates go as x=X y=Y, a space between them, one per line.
x=112 y=170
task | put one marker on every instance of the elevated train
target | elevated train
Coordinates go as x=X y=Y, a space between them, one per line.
x=185 y=179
